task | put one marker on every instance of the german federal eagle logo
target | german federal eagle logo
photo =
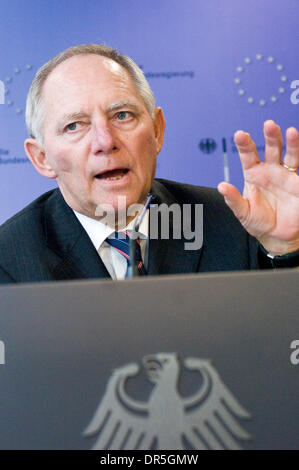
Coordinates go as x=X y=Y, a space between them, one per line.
x=208 y=419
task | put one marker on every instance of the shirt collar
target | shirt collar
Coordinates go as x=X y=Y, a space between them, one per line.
x=98 y=231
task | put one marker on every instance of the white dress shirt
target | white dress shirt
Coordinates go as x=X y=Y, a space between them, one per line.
x=116 y=264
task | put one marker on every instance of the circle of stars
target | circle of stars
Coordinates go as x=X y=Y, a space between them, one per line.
x=9 y=79
x=260 y=58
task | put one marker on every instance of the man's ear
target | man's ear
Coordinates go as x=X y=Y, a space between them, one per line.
x=37 y=156
x=159 y=125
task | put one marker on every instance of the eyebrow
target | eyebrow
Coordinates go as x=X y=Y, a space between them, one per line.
x=122 y=104
x=71 y=117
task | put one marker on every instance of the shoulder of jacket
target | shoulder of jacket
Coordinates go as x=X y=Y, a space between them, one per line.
x=29 y=212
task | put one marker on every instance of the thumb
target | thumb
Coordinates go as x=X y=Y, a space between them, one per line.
x=234 y=200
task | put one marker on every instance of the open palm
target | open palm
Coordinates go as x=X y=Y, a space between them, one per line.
x=269 y=206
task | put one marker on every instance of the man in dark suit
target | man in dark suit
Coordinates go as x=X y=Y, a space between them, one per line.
x=94 y=128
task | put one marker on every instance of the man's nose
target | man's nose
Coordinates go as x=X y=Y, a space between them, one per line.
x=103 y=139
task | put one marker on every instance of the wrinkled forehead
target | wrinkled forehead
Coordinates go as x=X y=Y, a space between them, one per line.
x=78 y=72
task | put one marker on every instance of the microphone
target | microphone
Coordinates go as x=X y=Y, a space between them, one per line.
x=132 y=268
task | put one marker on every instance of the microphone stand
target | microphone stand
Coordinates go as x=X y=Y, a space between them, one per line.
x=132 y=268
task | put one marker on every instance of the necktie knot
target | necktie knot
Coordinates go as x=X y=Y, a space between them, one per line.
x=121 y=242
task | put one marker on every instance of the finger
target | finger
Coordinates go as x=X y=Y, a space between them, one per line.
x=291 y=158
x=273 y=141
x=247 y=150
x=234 y=200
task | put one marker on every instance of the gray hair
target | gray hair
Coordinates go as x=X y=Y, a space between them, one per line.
x=34 y=104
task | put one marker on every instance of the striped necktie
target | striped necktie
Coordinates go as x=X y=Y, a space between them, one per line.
x=122 y=245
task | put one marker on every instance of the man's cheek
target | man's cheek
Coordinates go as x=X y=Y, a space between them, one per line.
x=152 y=146
x=60 y=163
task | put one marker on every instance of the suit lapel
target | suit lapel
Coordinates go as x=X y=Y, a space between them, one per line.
x=170 y=256
x=71 y=253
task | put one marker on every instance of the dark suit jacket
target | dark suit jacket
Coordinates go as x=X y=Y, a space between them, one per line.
x=45 y=241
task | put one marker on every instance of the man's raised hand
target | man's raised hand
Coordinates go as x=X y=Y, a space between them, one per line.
x=269 y=206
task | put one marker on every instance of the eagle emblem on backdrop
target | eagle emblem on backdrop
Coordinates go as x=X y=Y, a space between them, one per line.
x=207 y=419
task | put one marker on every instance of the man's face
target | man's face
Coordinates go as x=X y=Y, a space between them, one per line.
x=99 y=140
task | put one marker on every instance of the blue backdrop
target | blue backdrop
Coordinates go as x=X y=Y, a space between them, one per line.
x=215 y=66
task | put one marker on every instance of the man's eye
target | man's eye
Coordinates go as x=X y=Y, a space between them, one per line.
x=73 y=126
x=123 y=115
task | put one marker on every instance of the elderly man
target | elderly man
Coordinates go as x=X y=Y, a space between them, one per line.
x=94 y=128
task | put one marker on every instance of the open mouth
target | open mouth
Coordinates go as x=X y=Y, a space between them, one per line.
x=113 y=175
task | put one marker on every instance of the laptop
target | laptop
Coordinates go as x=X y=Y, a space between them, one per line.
x=206 y=361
